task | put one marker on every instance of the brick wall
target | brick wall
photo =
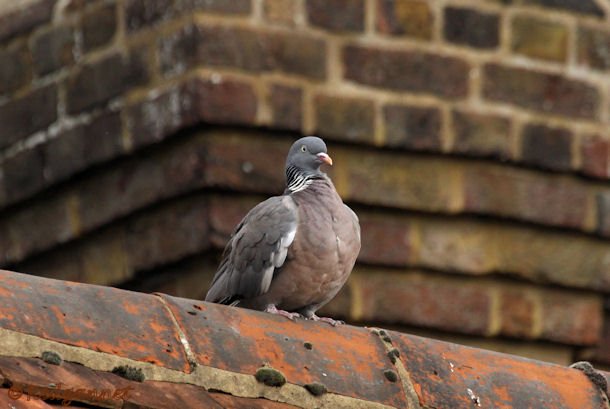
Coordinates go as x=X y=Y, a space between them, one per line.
x=470 y=136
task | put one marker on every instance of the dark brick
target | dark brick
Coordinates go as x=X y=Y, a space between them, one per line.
x=594 y=48
x=550 y=93
x=177 y=51
x=412 y=18
x=603 y=213
x=142 y=13
x=286 y=107
x=17 y=20
x=547 y=147
x=102 y=80
x=53 y=49
x=350 y=119
x=412 y=127
x=336 y=15
x=481 y=135
x=156 y=118
x=28 y=114
x=471 y=27
x=242 y=7
x=595 y=156
x=15 y=68
x=538 y=38
x=579 y=6
x=413 y=71
x=83 y=146
x=226 y=101
x=253 y=50
x=99 y=27
x=23 y=174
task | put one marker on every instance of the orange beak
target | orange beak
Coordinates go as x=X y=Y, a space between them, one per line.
x=325 y=158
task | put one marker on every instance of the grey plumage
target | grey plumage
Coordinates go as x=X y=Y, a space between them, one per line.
x=291 y=254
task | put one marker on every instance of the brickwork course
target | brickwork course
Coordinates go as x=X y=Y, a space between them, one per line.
x=471 y=137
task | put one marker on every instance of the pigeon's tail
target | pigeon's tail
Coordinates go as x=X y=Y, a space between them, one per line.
x=218 y=292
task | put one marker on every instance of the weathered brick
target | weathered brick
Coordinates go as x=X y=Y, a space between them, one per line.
x=351 y=119
x=15 y=68
x=423 y=300
x=286 y=106
x=471 y=27
x=412 y=127
x=385 y=240
x=601 y=352
x=255 y=50
x=526 y=195
x=81 y=147
x=538 y=38
x=53 y=49
x=517 y=313
x=595 y=156
x=282 y=12
x=16 y=20
x=23 y=116
x=104 y=261
x=413 y=71
x=23 y=174
x=241 y=7
x=547 y=147
x=579 y=6
x=142 y=13
x=543 y=92
x=158 y=117
x=412 y=18
x=225 y=101
x=594 y=48
x=177 y=51
x=585 y=314
x=61 y=264
x=603 y=213
x=481 y=135
x=336 y=15
x=99 y=26
x=104 y=79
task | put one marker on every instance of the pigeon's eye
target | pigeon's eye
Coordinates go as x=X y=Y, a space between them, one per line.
x=303 y=148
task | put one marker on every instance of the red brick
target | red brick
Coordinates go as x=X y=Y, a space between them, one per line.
x=547 y=147
x=412 y=18
x=601 y=352
x=412 y=127
x=584 y=326
x=385 y=241
x=98 y=82
x=99 y=27
x=481 y=134
x=286 y=107
x=259 y=51
x=143 y=13
x=53 y=49
x=538 y=38
x=595 y=156
x=23 y=116
x=578 y=6
x=526 y=195
x=225 y=101
x=594 y=48
x=351 y=119
x=15 y=68
x=420 y=300
x=83 y=146
x=16 y=20
x=471 y=27
x=517 y=310
x=336 y=15
x=239 y=7
x=547 y=93
x=412 y=71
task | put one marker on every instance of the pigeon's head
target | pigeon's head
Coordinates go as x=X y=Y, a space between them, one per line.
x=308 y=154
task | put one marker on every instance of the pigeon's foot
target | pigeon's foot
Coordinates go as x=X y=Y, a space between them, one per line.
x=331 y=321
x=272 y=309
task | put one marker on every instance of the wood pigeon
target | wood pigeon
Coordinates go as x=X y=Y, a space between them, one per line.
x=291 y=254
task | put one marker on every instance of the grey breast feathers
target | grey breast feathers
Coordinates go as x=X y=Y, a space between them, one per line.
x=257 y=248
